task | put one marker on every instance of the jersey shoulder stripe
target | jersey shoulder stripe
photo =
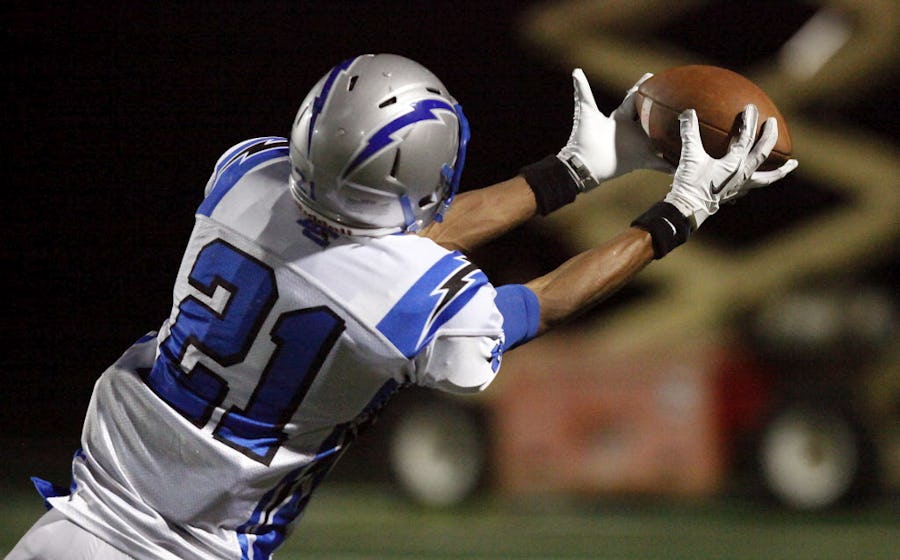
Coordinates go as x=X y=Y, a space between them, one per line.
x=236 y=163
x=433 y=299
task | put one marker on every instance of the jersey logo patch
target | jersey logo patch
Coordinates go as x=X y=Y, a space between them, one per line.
x=317 y=233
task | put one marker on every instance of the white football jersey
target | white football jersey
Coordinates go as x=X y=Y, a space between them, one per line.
x=206 y=439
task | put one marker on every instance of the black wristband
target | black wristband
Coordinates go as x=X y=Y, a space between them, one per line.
x=666 y=225
x=551 y=182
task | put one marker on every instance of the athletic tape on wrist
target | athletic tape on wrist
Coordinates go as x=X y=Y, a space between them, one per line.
x=551 y=182
x=666 y=225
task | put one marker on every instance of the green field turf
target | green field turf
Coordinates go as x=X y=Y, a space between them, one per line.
x=356 y=522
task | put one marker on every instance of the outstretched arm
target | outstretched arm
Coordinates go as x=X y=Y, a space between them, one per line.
x=700 y=185
x=579 y=283
x=484 y=214
x=599 y=148
x=590 y=277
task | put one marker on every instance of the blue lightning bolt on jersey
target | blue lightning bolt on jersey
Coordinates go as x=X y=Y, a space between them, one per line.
x=282 y=342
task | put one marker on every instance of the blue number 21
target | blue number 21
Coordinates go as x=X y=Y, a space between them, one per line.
x=302 y=340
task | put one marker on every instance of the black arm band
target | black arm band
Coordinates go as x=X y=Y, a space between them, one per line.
x=551 y=182
x=666 y=225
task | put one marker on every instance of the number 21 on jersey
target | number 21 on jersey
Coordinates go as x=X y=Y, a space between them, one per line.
x=302 y=339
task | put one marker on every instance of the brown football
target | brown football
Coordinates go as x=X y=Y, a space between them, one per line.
x=718 y=95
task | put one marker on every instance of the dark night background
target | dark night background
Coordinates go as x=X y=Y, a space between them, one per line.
x=114 y=116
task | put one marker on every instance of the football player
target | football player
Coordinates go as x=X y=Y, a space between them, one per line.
x=325 y=272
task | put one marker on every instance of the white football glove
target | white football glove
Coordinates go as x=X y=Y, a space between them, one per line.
x=702 y=184
x=600 y=147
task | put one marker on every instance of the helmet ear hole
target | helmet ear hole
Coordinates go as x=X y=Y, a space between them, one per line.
x=426 y=200
x=395 y=167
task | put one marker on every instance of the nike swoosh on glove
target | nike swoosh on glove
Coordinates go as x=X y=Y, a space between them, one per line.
x=702 y=183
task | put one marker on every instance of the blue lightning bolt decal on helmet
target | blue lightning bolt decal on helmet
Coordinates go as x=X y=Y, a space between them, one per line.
x=319 y=102
x=420 y=111
x=377 y=147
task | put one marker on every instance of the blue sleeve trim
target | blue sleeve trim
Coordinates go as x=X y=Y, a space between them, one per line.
x=521 y=312
x=48 y=490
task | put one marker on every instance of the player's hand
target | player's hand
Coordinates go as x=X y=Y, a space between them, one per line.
x=702 y=183
x=600 y=147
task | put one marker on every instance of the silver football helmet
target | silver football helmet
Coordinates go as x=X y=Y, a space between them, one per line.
x=377 y=147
